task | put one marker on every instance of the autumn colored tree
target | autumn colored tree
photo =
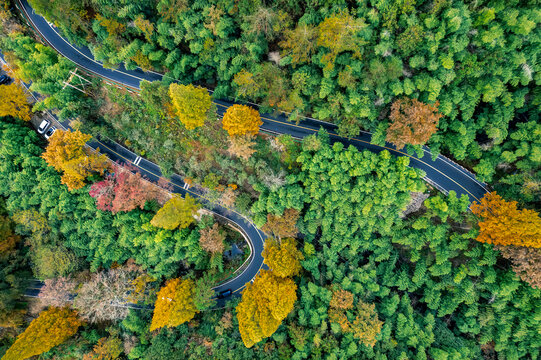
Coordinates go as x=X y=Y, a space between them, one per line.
x=341 y=299
x=282 y=226
x=124 y=190
x=212 y=239
x=55 y=292
x=502 y=223
x=339 y=33
x=228 y=197
x=190 y=103
x=174 y=304
x=265 y=303
x=226 y=322
x=526 y=262
x=241 y=120
x=32 y=221
x=299 y=43
x=51 y=328
x=283 y=257
x=241 y=146
x=246 y=84
x=8 y=239
x=106 y=295
x=145 y=26
x=366 y=325
x=176 y=213
x=109 y=348
x=14 y=102
x=67 y=154
x=412 y=122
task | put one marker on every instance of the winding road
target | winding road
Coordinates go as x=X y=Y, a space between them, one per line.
x=442 y=173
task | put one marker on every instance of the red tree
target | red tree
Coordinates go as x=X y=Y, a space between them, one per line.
x=123 y=191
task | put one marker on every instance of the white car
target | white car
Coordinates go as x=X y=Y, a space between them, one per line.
x=43 y=126
x=50 y=132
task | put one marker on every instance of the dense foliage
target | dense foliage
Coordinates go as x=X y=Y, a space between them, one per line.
x=438 y=292
x=339 y=60
x=66 y=152
x=374 y=279
x=73 y=221
x=14 y=102
x=265 y=303
x=52 y=327
x=174 y=304
x=503 y=224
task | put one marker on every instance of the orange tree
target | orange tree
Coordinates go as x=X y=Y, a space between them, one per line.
x=177 y=212
x=190 y=103
x=265 y=303
x=412 y=122
x=66 y=153
x=283 y=257
x=174 y=304
x=51 y=328
x=503 y=224
x=241 y=120
x=14 y=102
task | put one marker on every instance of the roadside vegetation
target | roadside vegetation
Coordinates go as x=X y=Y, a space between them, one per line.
x=356 y=267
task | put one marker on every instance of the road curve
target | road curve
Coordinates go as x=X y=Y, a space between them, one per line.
x=441 y=172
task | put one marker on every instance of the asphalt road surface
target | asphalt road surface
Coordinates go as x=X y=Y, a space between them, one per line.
x=442 y=173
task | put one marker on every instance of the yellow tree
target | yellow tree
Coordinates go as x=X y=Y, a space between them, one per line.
x=283 y=257
x=191 y=104
x=67 y=154
x=265 y=303
x=504 y=224
x=51 y=328
x=246 y=84
x=176 y=212
x=339 y=33
x=174 y=304
x=299 y=43
x=14 y=102
x=241 y=120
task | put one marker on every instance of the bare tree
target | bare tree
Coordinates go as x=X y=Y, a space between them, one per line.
x=56 y=292
x=107 y=296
